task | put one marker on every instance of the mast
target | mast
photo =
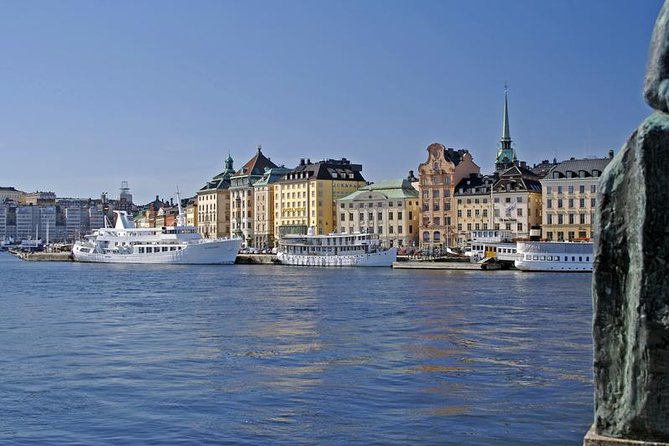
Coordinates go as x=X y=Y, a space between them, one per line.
x=181 y=219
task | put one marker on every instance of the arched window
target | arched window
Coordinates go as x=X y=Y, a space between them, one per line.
x=437 y=236
x=426 y=236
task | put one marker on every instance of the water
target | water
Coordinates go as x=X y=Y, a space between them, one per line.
x=110 y=354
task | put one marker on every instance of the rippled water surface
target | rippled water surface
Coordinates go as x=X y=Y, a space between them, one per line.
x=109 y=354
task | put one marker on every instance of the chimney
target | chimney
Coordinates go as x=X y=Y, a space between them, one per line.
x=610 y=154
x=301 y=161
x=308 y=160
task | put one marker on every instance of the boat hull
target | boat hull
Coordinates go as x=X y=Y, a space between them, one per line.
x=554 y=257
x=377 y=259
x=216 y=252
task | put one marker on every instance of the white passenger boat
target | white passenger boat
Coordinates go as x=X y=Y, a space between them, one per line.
x=334 y=250
x=554 y=256
x=179 y=244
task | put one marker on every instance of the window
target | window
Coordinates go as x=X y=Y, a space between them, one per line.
x=559 y=189
x=437 y=221
x=560 y=219
x=469 y=212
x=549 y=190
x=581 y=202
x=399 y=215
x=485 y=213
x=593 y=188
x=581 y=189
x=581 y=219
x=570 y=189
x=549 y=219
x=571 y=202
x=559 y=203
x=390 y=230
x=391 y=215
x=380 y=230
x=571 y=219
x=519 y=199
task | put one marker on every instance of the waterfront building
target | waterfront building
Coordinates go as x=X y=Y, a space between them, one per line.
x=27 y=222
x=569 y=198
x=39 y=198
x=516 y=201
x=473 y=206
x=439 y=175
x=242 y=197
x=190 y=208
x=387 y=208
x=10 y=194
x=76 y=222
x=96 y=217
x=306 y=196
x=213 y=204
x=263 y=199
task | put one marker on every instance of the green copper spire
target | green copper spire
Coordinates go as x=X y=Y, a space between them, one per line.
x=506 y=134
x=506 y=156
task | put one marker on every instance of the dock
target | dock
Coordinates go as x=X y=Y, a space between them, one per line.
x=40 y=256
x=461 y=266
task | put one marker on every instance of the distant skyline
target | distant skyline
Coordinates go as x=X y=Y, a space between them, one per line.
x=157 y=93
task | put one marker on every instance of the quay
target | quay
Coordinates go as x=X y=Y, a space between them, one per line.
x=255 y=259
x=40 y=256
x=478 y=266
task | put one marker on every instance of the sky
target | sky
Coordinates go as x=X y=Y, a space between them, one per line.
x=158 y=93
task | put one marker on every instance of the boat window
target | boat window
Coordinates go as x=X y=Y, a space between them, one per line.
x=141 y=250
x=535 y=257
x=172 y=248
x=149 y=249
x=580 y=259
x=542 y=258
x=164 y=248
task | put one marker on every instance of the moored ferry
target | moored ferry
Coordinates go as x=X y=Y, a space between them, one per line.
x=554 y=256
x=179 y=244
x=334 y=250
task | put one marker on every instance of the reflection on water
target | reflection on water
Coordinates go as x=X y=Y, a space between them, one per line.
x=106 y=354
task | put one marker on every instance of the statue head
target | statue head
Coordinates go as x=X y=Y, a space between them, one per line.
x=656 y=86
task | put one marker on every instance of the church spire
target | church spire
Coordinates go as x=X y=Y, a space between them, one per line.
x=506 y=156
x=506 y=134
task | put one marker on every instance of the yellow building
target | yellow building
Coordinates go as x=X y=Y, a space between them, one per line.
x=387 y=208
x=473 y=206
x=439 y=175
x=569 y=198
x=306 y=196
x=213 y=204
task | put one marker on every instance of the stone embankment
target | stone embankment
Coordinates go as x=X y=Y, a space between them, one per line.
x=44 y=256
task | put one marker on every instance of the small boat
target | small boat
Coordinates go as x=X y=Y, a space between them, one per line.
x=554 y=256
x=178 y=244
x=334 y=250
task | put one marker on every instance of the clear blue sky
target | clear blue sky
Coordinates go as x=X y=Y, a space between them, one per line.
x=158 y=92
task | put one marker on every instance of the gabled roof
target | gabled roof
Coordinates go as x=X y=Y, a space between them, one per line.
x=256 y=166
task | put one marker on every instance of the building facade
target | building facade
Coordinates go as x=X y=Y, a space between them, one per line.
x=569 y=198
x=473 y=206
x=516 y=201
x=387 y=208
x=213 y=204
x=10 y=194
x=263 y=199
x=242 y=211
x=306 y=196
x=438 y=176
